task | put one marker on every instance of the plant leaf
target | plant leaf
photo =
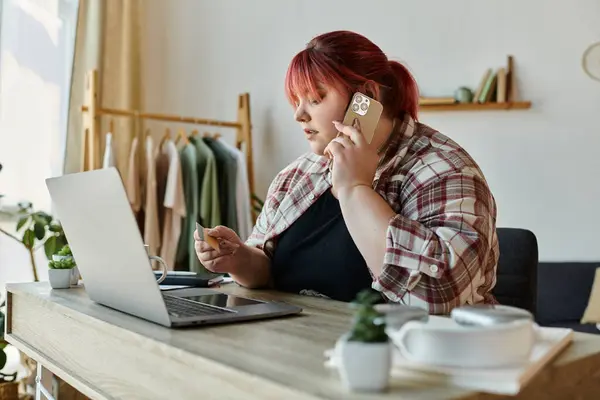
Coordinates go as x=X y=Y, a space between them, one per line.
x=46 y=217
x=40 y=230
x=55 y=227
x=61 y=241
x=22 y=222
x=50 y=247
x=29 y=238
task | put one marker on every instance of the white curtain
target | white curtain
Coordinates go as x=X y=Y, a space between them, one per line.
x=36 y=53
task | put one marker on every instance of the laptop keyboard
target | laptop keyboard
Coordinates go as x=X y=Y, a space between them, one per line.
x=179 y=307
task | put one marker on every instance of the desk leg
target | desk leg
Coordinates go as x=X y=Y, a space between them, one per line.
x=42 y=381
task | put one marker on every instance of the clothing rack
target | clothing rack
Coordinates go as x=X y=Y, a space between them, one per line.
x=92 y=111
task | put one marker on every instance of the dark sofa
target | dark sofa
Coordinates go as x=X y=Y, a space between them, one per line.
x=557 y=293
x=563 y=291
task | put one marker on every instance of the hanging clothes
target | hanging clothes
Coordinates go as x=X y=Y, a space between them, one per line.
x=151 y=224
x=109 y=154
x=161 y=166
x=173 y=202
x=132 y=186
x=209 y=206
x=186 y=258
x=242 y=191
x=227 y=173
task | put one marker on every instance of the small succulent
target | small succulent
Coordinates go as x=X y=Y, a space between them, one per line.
x=368 y=323
x=65 y=251
x=65 y=263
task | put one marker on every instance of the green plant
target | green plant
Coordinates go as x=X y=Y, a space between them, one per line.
x=65 y=263
x=368 y=323
x=38 y=229
x=65 y=251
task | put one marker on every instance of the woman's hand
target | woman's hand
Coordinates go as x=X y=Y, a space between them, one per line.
x=354 y=160
x=227 y=259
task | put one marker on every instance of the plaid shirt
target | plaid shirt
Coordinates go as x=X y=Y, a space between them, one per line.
x=442 y=248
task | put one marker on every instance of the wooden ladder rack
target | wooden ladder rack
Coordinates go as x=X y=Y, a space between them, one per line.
x=92 y=111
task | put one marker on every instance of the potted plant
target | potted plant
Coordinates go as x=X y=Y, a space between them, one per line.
x=9 y=387
x=64 y=254
x=60 y=272
x=364 y=353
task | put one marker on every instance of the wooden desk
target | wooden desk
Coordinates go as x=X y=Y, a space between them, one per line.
x=106 y=354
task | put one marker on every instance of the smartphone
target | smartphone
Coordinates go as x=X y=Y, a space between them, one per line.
x=367 y=111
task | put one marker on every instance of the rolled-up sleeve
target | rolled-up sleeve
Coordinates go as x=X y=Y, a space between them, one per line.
x=440 y=247
x=257 y=237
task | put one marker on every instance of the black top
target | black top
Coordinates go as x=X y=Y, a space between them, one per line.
x=316 y=255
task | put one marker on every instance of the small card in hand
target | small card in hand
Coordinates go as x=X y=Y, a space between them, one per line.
x=212 y=242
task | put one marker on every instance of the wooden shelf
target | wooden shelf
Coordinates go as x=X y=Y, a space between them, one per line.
x=518 y=105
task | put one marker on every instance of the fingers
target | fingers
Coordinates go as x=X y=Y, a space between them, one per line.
x=206 y=252
x=354 y=132
x=202 y=246
x=335 y=149
x=219 y=231
x=344 y=141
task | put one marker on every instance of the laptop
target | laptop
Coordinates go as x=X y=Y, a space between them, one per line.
x=107 y=245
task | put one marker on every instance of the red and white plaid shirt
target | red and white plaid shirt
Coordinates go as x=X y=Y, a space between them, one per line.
x=442 y=248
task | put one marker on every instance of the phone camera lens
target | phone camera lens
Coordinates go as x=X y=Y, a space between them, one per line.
x=358 y=99
x=354 y=107
x=364 y=106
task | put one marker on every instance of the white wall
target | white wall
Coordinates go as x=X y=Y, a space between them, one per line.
x=542 y=164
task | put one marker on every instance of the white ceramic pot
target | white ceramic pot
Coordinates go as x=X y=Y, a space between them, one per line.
x=363 y=366
x=74 y=271
x=442 y=341
x=60 y=278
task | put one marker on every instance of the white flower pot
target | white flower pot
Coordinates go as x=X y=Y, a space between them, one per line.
x=364 y=366
x=74 y=271
x=60 y=278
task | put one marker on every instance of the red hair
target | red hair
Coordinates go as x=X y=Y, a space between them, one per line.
x=350 y=62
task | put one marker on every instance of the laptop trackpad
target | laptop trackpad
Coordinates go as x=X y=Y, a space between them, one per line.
x=212 y=297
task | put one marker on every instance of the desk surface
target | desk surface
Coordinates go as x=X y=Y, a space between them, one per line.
x=107 y=354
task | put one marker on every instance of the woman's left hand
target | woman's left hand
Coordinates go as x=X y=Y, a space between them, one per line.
x=354 y=160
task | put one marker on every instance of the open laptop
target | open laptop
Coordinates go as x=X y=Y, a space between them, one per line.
x=107 y=245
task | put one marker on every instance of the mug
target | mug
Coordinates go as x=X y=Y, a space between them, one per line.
x=162 y=263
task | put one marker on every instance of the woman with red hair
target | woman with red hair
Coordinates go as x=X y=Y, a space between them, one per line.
x=409 y=214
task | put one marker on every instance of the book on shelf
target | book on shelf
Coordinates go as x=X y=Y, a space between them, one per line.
x=498 y=86
x=501 y=86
